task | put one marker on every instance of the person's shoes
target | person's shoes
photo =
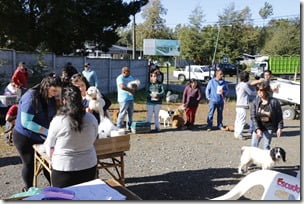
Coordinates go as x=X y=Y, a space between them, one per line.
x=208 y=129
x=157 y=130
x=222 y=128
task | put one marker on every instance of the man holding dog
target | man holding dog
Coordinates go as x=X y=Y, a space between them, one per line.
x=125 y=97
x=215 y=92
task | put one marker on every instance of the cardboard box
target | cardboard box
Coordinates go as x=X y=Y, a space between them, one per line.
x=112 y=144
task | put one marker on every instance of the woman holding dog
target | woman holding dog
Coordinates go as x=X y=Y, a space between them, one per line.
x=82 y=83
x=36 y=109
x=70 y=141
x=191 y=98
x=155 y=92
x=266 y=115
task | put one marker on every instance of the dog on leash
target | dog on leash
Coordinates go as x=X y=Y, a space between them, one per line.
x=178 y=120
x=260 y=157
x=96 y=101
x=165 y=116
x=171 y=97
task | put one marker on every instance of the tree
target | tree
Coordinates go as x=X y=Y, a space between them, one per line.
x=63 y=26
x=266 y=11
x=283 y=37
x=196 y=18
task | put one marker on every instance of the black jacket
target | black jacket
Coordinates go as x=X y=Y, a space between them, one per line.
x=276 y=113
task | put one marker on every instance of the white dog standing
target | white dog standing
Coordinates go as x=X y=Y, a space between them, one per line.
x=260 y=157
x=165 y=116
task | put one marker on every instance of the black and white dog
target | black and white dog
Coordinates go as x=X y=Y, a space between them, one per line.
x=260 y=157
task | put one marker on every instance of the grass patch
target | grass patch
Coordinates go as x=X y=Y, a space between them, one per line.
x=139 y=98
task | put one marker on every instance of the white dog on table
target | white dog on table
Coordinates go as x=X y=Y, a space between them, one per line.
x=96 y=103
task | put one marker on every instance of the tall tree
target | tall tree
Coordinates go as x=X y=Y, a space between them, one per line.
x=283 y=38
x=196 y=17
x=266 y=11
x=154 y=23
x=63 y=26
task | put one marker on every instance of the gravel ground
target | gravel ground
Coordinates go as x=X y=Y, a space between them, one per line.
x=176 y=164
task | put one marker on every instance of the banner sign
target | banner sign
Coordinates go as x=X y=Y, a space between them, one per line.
x=158 y=47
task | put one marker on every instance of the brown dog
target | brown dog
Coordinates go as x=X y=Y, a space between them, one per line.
x=178 y=117
x=229 y=128
x=115 y=115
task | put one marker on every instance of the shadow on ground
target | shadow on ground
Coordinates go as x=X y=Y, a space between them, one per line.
x=183 y=185
x=5 y=161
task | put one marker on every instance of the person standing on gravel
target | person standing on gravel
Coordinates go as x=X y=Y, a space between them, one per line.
x=36 y=109
x=125 y=97
x=191 y=97
x=243 y=91
x=216 y=91
x=266 y=115
x=155 y=92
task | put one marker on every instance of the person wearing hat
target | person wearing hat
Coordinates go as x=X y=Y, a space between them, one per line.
x=191 y=98
x=90 y=75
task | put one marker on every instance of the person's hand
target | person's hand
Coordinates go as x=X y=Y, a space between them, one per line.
x=259 y=133
x=132 y=91
x=279 y=132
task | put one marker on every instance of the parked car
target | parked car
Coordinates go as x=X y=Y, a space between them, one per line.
x=199 y=72
x=228 y=69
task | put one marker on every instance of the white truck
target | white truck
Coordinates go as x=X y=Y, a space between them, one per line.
x=288 y=93
x=198 y=72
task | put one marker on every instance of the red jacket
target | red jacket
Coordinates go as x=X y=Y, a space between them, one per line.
x=20 y=78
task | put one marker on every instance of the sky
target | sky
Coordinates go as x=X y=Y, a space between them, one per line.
x=178 y=11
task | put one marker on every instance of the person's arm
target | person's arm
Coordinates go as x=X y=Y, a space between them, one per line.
x=185 y=102
x=207 y=90
x=249 y=90
x=50 y=141
x=28 y=123
x=119 y=81
x=200 y=95
x=96 y=79
x=162 y=91
x=225 y=90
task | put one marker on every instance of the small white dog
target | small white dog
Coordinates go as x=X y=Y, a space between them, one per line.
x=96 y=101
x=171 y=97
x=165 y=116
x=260 y=157
x=133 y=84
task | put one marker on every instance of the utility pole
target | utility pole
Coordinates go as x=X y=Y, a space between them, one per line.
x=134 y=38
x=216 y=43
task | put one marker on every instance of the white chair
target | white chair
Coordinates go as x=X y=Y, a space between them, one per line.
x=277 y=186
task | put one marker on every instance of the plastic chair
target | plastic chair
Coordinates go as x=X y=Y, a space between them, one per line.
x=277 y=186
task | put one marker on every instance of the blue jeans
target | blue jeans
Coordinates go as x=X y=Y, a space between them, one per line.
x=266 y=136
x=126 y=107
x=219 y=107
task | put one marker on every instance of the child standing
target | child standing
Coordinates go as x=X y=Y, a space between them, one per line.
x=191 y=98
x=155 y=92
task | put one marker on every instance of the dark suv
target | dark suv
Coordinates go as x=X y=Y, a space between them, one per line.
x=228 y=69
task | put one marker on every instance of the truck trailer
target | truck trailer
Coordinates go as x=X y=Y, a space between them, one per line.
x=281 y=66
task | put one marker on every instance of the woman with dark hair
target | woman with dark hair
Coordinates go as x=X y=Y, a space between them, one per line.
x=266 y=115
x=191 y=97
x=82 y=83
x=70 y=142
x=36 y=109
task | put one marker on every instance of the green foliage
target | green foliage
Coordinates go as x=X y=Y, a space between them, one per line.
x=282 y=38
x=63 y=26
x=266 y=11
